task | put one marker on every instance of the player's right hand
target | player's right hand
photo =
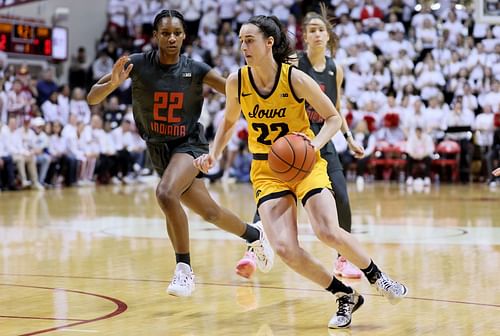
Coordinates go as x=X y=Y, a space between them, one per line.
x=357 y=149
x=496 y=172
x=308 y=140
x=119 y=73
x=204 y=162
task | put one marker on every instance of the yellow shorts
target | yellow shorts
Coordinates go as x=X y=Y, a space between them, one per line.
x=266 y=186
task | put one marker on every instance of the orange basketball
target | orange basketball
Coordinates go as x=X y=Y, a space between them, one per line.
x=291 y=158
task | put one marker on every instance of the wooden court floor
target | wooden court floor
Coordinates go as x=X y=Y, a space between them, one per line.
x=96 y=261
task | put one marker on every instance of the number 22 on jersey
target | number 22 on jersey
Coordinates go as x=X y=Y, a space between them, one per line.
x=266 y=130
x=170 y=101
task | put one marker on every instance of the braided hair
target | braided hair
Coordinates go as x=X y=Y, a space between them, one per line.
x=171 y=13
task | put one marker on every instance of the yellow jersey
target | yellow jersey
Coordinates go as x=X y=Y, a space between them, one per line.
x=273 y=115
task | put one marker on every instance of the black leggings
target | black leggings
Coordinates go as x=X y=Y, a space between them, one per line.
x=339 y=187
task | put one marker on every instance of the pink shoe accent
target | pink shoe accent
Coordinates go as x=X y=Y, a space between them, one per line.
x=345 y=269
x=246 y=266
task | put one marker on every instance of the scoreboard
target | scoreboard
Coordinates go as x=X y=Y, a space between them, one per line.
x=33 y=39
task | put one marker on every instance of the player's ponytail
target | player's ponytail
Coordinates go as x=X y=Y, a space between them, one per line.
x=272 y=27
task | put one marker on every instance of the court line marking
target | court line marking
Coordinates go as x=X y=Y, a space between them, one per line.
x=355 y=230
x=494 y=305
x=120 y=308
x=40 y=318
x=78 y=330
x=368 y=233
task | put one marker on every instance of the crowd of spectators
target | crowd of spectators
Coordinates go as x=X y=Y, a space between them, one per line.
x=415 y=75
x=49 y=136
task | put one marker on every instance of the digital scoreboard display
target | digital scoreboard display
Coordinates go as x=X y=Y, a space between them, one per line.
x=33 y=39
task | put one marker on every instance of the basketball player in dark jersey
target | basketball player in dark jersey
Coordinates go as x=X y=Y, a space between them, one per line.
x=167 y=102
x=266 y=85
x=318 y=35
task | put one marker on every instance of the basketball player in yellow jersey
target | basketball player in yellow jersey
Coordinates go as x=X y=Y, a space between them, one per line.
x=271 y=95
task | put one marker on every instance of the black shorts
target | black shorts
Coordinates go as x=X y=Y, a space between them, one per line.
x=194 y=144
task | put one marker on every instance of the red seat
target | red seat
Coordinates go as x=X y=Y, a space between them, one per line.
x=449 y=156
x=390 y=157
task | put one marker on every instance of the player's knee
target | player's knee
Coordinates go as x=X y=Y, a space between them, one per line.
x=165 y=197
x=210 y=214
x=330 y=236
x=286 y=251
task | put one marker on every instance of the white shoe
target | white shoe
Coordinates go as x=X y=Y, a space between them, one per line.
x=360 y=181
x=115 y=180
x=418 y=184
x=25 y=184
x=262 y=249
x=38 y=186
x=409 y=181
x=427 y=181
x=390 y=289
x=182 y=283
x=129 y=180
x=227 y=179
x=347 y=304
x=145 y=171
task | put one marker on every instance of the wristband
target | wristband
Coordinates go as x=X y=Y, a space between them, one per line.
x=347 y=135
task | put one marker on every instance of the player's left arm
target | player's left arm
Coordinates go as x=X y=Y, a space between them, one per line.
x=356 y=148
x=215 y=81
x=305 y=87
x=225 y=129
x=231 y=116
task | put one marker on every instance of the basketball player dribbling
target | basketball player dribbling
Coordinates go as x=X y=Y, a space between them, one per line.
x=318 y=36
x=167 y=102
x=269 y=84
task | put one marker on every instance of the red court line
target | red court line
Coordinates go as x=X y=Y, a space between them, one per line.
x=120 y=308
x=494 y=305
x=39 y=318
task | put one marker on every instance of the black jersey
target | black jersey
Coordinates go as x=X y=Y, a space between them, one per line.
x=327 y=80
x=166 y=99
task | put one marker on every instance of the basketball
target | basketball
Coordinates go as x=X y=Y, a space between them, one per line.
x=291 y=158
